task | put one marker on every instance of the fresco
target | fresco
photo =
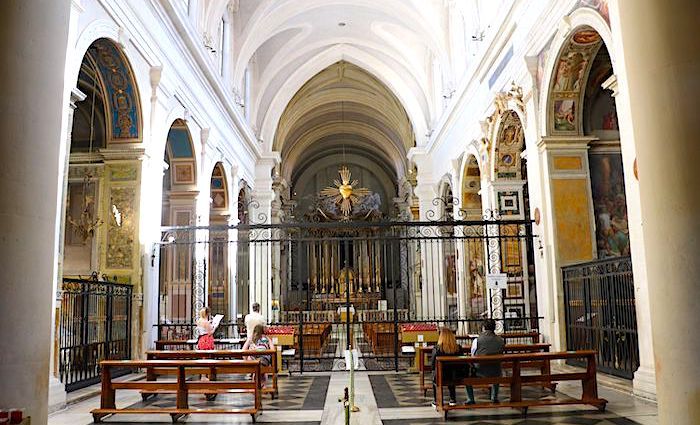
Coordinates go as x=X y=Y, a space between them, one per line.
x=565 y=115
x=569 y=79
x=609 y=205
x=121 y=90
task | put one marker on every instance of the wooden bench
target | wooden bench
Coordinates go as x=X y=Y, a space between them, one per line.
x=530 y=337
x=542 y=365
x=181 y=386
x=271 y=369
x=190 y=344
x=517 y=380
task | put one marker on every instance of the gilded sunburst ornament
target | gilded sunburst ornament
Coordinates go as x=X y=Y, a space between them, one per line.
x=345 y=193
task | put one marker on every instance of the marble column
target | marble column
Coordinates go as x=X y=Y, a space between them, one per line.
x=433 y=291
x=260 y=247
x=34 y=37
x=644 y=377
x=57 y=392
x=658 y=73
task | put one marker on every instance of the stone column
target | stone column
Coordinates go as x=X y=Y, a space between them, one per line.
x=433 y=291
x=644 y=378
x=34 y=37
x=568 y=212
x=658 y=72
x=260 y=247
x=57 y=393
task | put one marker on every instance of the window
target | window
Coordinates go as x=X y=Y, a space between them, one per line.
x=220 y=47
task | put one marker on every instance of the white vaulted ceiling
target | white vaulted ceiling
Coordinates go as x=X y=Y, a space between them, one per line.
x=284 y=43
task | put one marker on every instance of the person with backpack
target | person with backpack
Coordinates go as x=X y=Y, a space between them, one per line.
x=259 y=341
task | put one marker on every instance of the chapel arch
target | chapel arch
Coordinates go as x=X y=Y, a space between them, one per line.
x=511 y=199
x=101 y=194
x=217 y=290
x=100 y=217
x=473 y=302
x=178 y=210
x=589 y=204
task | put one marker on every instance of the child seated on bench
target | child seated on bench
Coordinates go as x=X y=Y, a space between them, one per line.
x=260 y=342
x=488 y=343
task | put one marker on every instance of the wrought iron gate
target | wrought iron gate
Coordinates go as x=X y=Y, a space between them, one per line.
x=397 y=280
x=95 y=325
x=601 y=315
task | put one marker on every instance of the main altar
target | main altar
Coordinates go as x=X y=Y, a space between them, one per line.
x=344 y=263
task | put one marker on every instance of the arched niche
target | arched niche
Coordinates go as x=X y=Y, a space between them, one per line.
x=218 y=273
x=587 y=190
x=473 y=302
x=176 y=259
x=580 y=105
x=471 y=205
x=101 y=195
x=180 y=178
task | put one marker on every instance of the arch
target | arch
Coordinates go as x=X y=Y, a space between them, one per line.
x=507 y=147
x=352 y=55
x=471 y=203
x=180 y=155
x=219 y=191
x=119 y=88
x=587 y=21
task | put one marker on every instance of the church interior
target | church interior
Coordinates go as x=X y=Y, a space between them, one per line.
x=368 y=180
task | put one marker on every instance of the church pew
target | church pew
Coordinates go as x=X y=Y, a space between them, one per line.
x=543 y=366
x=271 y=369
x=517 y=380
x=181 y=386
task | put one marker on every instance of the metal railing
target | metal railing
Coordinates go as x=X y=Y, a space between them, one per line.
x=95 y=325
x=600 y=313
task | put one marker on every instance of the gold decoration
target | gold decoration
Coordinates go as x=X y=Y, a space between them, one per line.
x=85 y=224
x=344 y=193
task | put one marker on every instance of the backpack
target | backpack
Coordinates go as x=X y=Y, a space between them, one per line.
x=263 y=344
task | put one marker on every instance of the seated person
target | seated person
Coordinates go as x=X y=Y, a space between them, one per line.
x=446 y=346
x=259 y=341
x=488 y=343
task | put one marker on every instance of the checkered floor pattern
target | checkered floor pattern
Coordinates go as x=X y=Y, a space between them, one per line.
x=403 y=390
x=295 y=393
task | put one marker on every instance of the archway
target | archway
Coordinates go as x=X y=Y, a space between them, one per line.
x=511 y=196
x=474 y=264
x=177 y=259
x=100 y=221
x=589 y=205
x=218 y=275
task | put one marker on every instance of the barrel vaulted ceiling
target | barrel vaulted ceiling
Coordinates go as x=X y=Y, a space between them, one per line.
x=412 y=52
x=287 y=42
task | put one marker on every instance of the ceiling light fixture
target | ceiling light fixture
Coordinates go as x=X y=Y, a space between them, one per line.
x=341 y=24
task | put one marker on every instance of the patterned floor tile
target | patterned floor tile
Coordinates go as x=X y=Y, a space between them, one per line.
x=402 y=390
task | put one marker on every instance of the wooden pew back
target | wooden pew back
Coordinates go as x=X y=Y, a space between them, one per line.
x=181 y=386
x=517 y=380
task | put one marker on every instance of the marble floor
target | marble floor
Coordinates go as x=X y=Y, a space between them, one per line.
x=383 y=398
